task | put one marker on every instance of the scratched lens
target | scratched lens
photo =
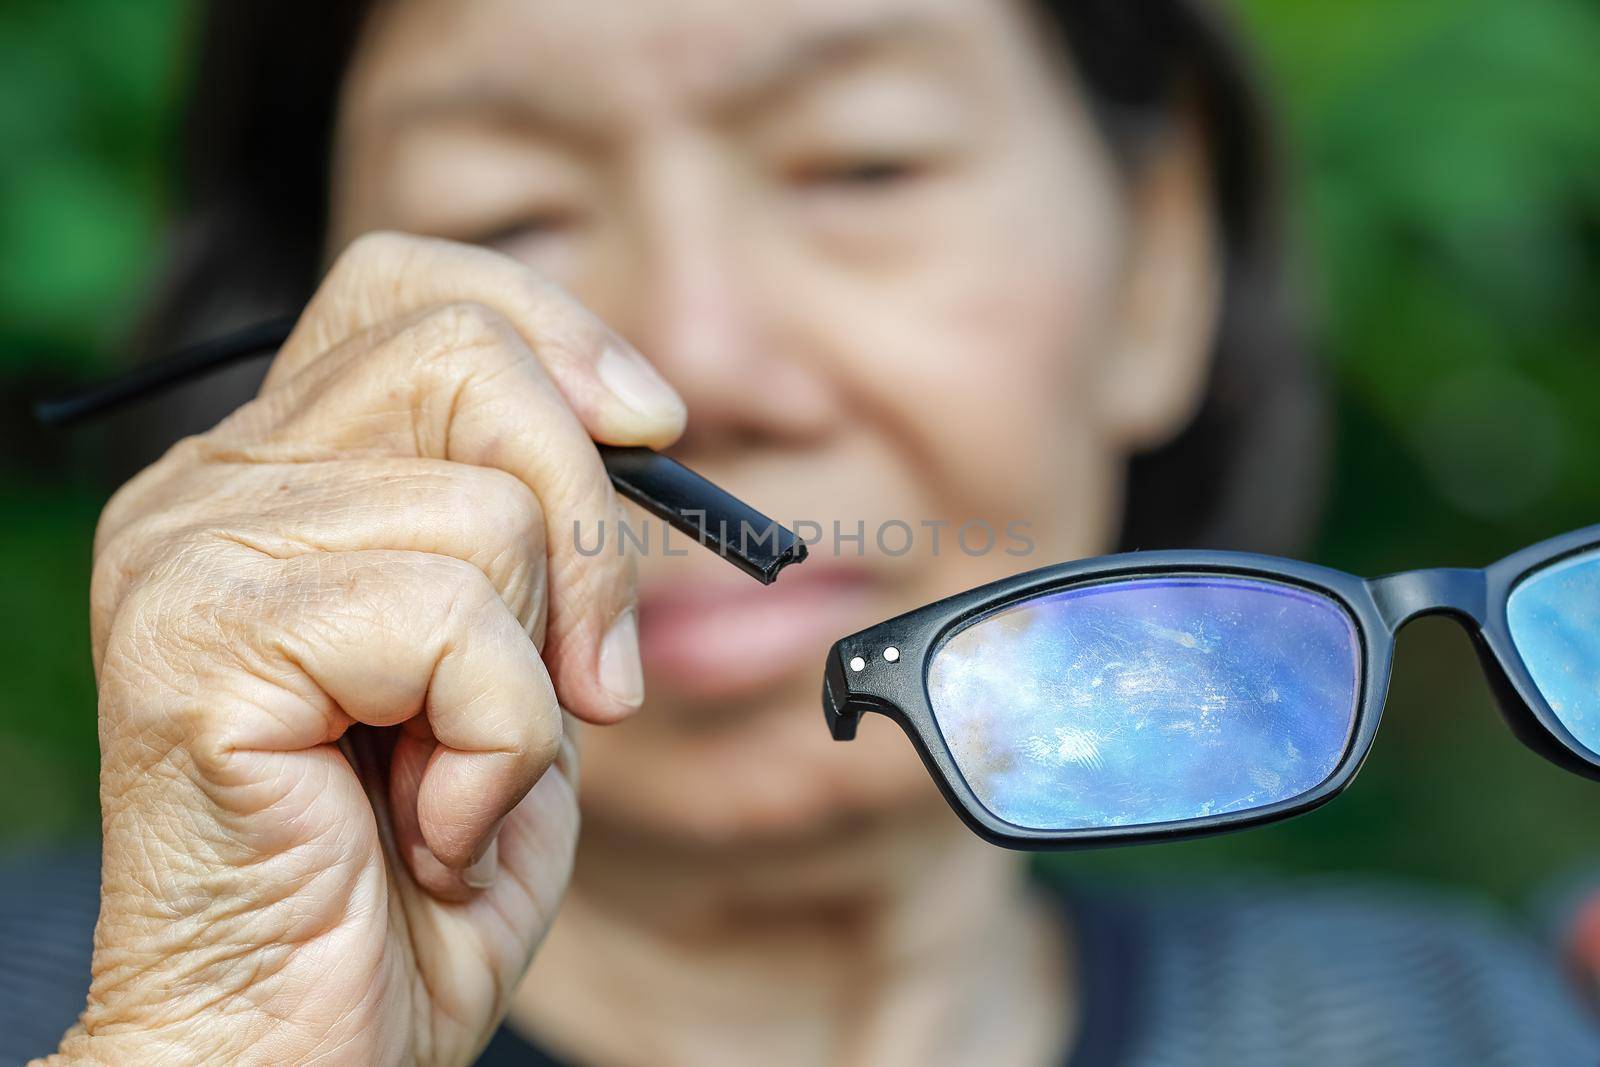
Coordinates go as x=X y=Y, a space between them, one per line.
x=1150 y=700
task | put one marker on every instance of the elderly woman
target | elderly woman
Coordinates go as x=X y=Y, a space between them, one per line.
x=926 y=260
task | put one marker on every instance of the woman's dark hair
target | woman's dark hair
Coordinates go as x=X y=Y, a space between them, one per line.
x=1246 y=473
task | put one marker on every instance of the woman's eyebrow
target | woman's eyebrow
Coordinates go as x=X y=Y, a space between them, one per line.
x=486 y=102
x=776 y=74
x=825 y=50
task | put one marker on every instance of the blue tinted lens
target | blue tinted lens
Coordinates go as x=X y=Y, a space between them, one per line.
x=1149 y=700
x=1554 y=616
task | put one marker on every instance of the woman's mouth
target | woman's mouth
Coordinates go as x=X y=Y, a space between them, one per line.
x=715 y=637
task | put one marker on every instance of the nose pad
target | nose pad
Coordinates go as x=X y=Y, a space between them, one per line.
x=842 y=719
x=843 y=703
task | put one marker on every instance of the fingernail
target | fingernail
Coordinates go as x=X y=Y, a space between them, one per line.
x=621 y=674
x=636 y=383
x=480 y=875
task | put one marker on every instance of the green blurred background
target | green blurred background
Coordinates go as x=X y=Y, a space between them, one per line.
x=1447 y=164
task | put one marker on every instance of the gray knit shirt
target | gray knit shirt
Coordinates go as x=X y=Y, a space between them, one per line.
x=1302 y=973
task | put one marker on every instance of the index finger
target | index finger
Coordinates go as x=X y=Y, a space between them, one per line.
x=618 y=396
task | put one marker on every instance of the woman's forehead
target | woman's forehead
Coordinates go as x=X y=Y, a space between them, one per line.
x=591 y=60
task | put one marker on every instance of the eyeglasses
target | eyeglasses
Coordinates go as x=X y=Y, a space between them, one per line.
x=1164 y=695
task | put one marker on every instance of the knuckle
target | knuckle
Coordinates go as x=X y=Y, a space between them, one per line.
x=193 y=607
x=509 y=510
x=452 y=342
x=469 y=323
x=209 y=740
x=200 y=595
x=462 y=587
x=503 y=518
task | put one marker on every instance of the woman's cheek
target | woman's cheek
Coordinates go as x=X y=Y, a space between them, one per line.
x=993 y=381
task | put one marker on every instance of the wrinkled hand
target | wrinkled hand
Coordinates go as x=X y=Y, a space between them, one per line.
x=331 y=636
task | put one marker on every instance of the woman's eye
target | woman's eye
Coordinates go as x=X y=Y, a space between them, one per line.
x=528 y=228
x=865 y=174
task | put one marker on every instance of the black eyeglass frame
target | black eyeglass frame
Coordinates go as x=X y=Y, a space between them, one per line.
x=896 y=654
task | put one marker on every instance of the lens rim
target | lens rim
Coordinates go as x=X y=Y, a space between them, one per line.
x=1378 y=607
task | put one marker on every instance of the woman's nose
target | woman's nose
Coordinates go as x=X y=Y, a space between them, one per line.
x=708 y=310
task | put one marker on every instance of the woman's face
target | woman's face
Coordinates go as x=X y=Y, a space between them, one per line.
x=882 y=252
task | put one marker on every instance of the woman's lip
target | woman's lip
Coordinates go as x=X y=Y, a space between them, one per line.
x=711 y=640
